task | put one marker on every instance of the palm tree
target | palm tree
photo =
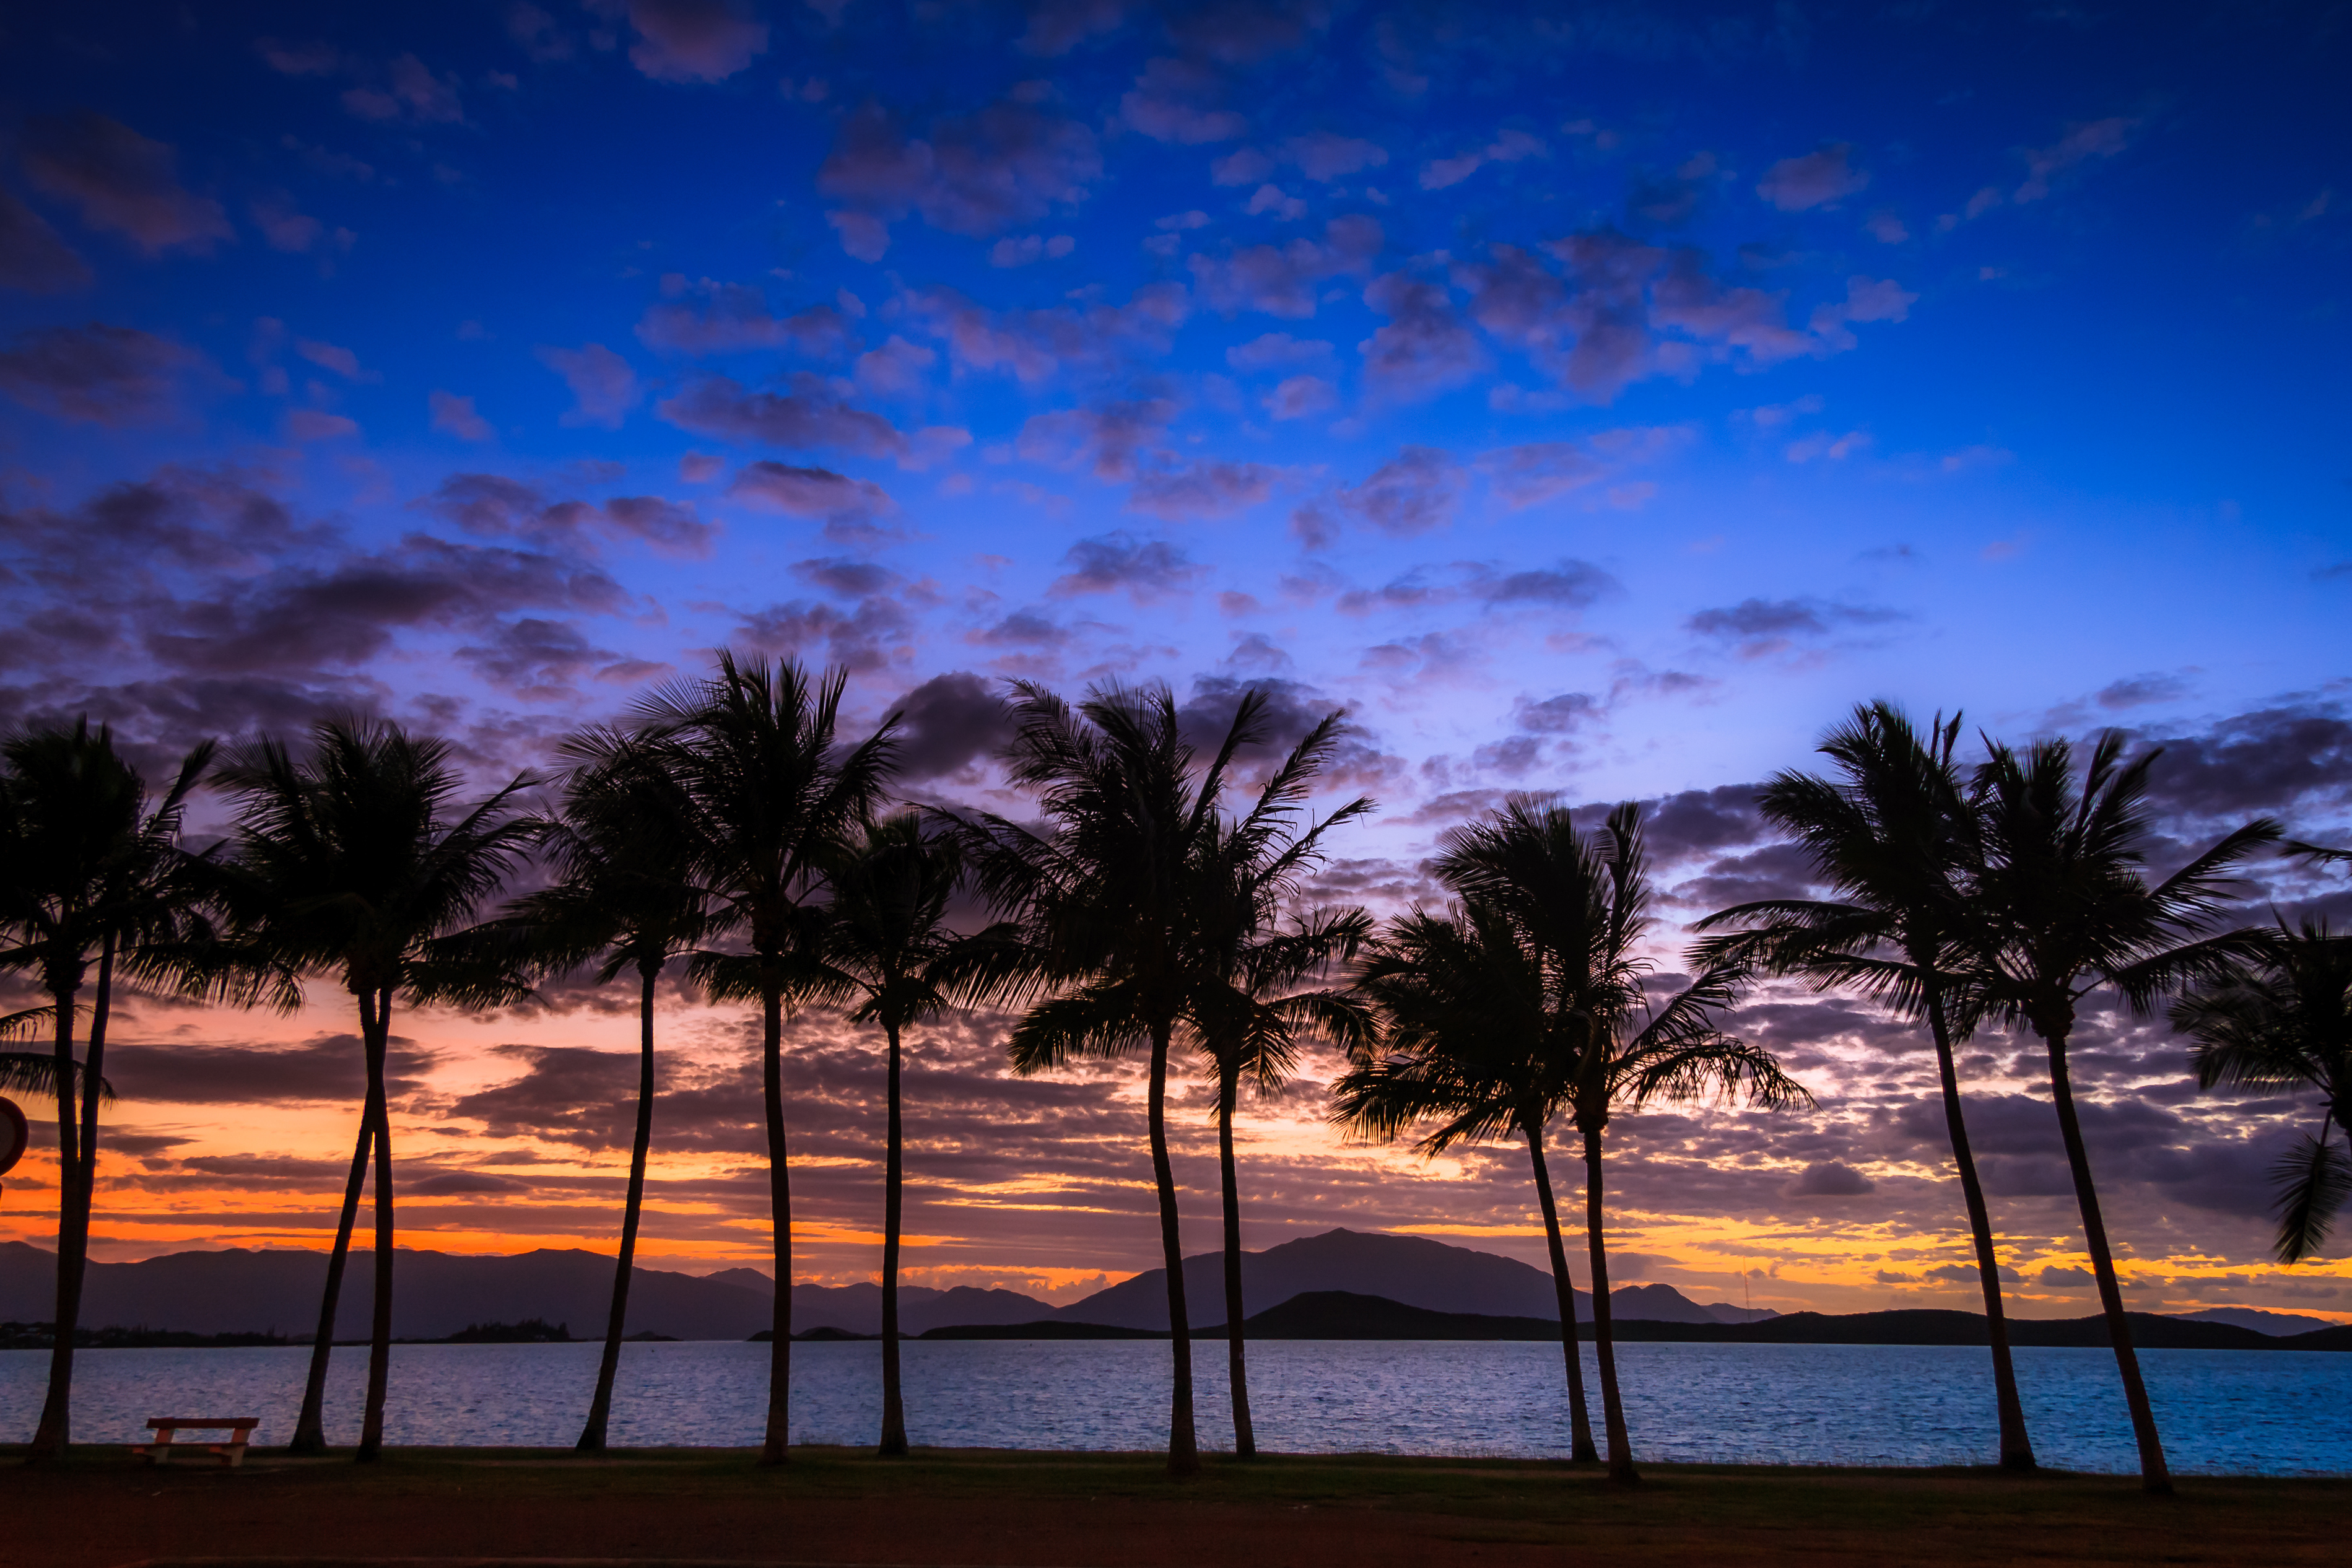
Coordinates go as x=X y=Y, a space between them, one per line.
x=768 y=795
x=348 y=862
x=1560 y=917
x=94 y=878
x=888 y=943
x=1891 y=836
x=624 y=901
x=2058 y=906
x=1118 y=897
x=2284 y=1021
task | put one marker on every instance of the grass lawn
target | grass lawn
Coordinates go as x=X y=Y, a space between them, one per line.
x=1121 y=1511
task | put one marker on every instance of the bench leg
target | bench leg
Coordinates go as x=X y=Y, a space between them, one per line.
x=235 y=1456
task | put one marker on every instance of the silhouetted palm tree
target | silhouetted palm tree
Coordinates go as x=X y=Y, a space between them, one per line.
x=1893 y=834
x=1116 y=896
x=91 y=875
x=768 y=796
x=2284 y=1021
x=623 y=900
x=888 y=943
x=1252 y=1025
x=1529 y=1001
x=2060 y=907
x=348 y=862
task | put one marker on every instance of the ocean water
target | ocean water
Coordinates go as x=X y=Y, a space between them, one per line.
x=2222 y=1412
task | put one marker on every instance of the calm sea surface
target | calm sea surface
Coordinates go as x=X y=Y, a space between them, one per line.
x=2222 y=1412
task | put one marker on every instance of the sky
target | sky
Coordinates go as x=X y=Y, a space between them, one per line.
x=1593 y=399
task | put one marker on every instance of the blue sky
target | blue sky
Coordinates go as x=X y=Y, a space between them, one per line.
x=1595 y=398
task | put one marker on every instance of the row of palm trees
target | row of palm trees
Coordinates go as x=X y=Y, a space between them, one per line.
x=728 y=824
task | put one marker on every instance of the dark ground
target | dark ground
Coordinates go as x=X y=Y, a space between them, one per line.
x=1111 y=1511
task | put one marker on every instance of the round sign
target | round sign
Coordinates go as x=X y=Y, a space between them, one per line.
x=14 y=1133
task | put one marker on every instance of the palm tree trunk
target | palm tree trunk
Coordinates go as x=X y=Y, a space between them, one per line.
x=310 y=1427
x=79 y=1177
x=1183 y=1451
x=1580 y=1449
x=1604 y=1349
x=775 y=1449
x=2153 y=1474
x=894 y=1410
x=600 y=1408
x=2016 y=1447
x=380 y=1340
x=50 y=1438
x=1236 y=1366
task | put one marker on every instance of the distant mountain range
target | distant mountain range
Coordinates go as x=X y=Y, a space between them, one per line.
x=235 y=1291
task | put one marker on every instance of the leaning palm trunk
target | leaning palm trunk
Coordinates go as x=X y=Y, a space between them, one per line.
x=894 y=1409
x=310 y=1427
x=600 y=1408
x=50 y=1437
x=377 y=1021
x=775 y=1448
x=2016 y=1449
x=1580 y=1449
x=1604 y=1349
x=1183 y=1451
x=1236 y=1364
x=2154 y=1475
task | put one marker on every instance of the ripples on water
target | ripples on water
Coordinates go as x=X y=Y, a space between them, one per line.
x=2222 y=1412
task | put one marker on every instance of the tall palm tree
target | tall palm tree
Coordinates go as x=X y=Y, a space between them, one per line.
x=1252 y=1025
x=1585 y=1039
x=623 y=900
x=92 y=878
x=2284 y=1021
x=2061 y=906
x=889 y=944
x=1891 y=836
x=768 y=795
x=1118 y=900
x=348 y=862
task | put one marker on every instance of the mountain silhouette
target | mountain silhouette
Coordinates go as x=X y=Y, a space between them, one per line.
x=1411 y=1269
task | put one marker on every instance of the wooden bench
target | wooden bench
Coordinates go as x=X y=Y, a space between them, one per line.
x=166 y=1427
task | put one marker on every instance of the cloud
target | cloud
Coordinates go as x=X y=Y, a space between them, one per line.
x=1820 y=178
x=317 y=424
x=692 y=40
x=1537 y=471
x=411 y=92
x=851 y=509
x=284 y=226
x=975 y=175
x=949 y=722
x=1414 y=493
x=1831 y=1179
x=1057 y=26
x=495 y=506
x=1571 y=584
x=1173 y=101
x=1106 y=441
x=121 y=182
x=1509 y=147
x=2084 y=143
x=456 y=416
x=98 y=374
x=1324 y=157
x=874 y=634
x=314 y=57
x=1278 y=351
x=1143 y=568
x=1560 y=715
x=1426 y=348
x=1760 y=626
x=323 y=1069
x=1038 y=344
x=1281 y=280
x=1302 y=396
x=32 y=259
x=541 y=661
x=1030 y=249
x=705 y=317
x=604 y=386
x=808 y=418
x=2277 y=759
x=1186 y=492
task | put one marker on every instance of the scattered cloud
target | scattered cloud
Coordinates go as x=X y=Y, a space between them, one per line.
x=121 y=182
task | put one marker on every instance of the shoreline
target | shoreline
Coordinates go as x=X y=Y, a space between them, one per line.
x=1063 y=1510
